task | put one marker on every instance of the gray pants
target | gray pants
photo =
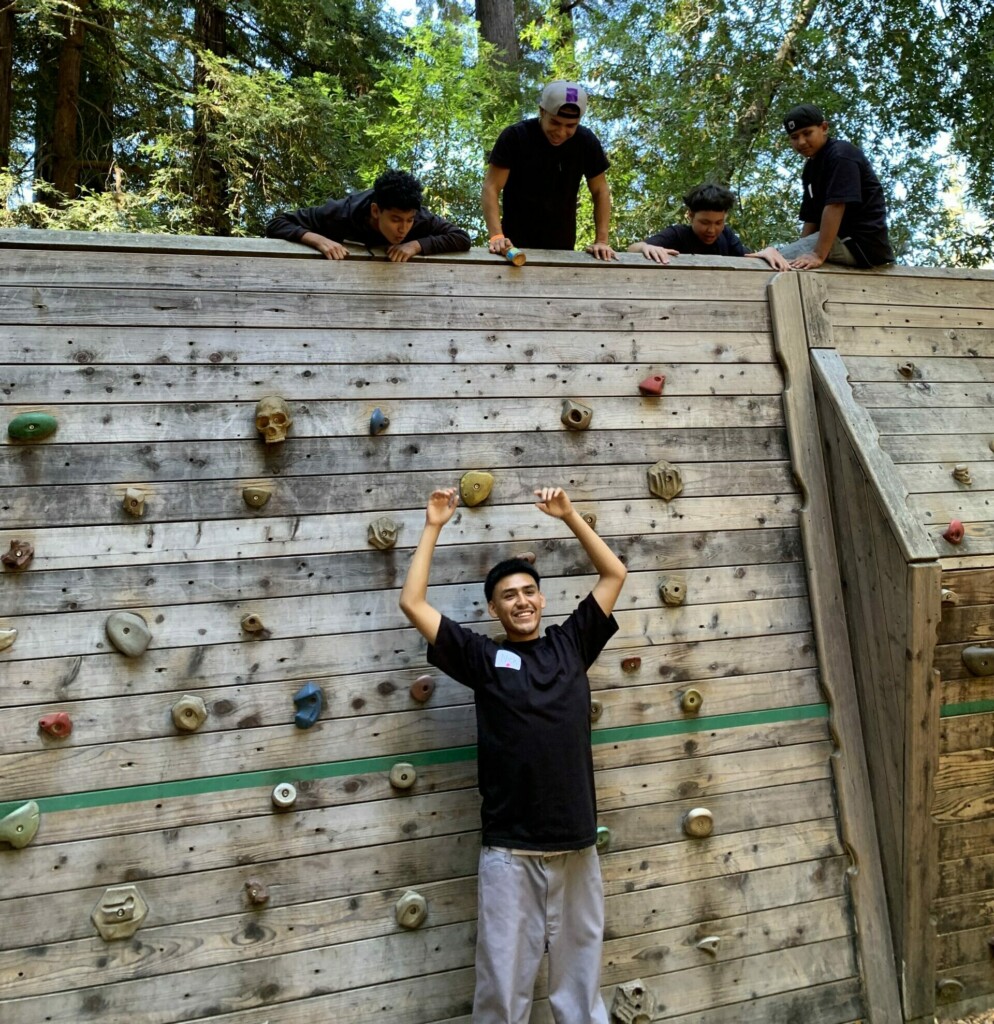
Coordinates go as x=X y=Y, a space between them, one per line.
x=528 y=905
x=838 y=254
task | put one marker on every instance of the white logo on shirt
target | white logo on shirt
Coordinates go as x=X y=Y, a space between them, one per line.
x=507 y=659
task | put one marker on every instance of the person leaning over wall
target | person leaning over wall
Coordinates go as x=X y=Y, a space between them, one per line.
x=390 y=214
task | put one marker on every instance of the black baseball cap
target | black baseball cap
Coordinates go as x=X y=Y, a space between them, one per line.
x=802 y=116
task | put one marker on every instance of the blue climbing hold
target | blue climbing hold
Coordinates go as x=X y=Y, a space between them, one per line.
x=308 y=700
x=378 y=422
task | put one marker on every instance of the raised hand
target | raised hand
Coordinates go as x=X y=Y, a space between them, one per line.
x=441 y=505
x=553 y=501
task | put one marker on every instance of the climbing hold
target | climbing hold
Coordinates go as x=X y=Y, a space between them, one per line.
x=284 y=795
x=949 y=596
x=961 y=474
x=273 y=419
x=673 y=591
x=652 y=385
x=691 y=701
x=378 y=422
x=411 y=909
x=603 y=841
x=422 y=688
x=258 y=894
x=665 y=480
x=403 y=775
x=954 y=532
x=596 y=710
x=20 y=826
x=308 y=700
x=120 y=912
x=590 y=518
x=949 y=990
x=32 y=426
x=527 y=556
x=979 y=660
x=633 y=1003
x=698 y=823
x=906 y=370
x=128 y=632
x=382 y=533
x=134 y=501
x=475 y=487
x=256 y=497
x=710 y=944
x=189 y=713
x=515 y=256
x=252 y=623
x=19 y=556
x=7 y=638
x=57 y=724
x=632 y=664
x=576 y=416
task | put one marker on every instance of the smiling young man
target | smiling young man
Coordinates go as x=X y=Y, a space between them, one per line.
x=845 y=219
x=705 y=233
x=539 y=878
x=389 y=214
x=537 y=164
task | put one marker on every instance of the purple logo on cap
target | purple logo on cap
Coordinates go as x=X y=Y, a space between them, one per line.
x=572 y=96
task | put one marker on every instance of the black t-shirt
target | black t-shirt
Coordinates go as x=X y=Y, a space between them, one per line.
x=840 y=173
x=540 y=195
x=536 y=772
x=682 y=238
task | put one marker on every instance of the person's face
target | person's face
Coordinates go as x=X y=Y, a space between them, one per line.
x=557 y=128
x=708 y=224
x=394 y=225
x=517 y=603
x=807 y=141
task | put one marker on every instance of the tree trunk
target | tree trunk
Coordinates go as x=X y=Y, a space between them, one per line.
x=65 y=122
x=210 y=181
x=496 y=18
x=8 y=25
x=97 y=90
x=753 y=116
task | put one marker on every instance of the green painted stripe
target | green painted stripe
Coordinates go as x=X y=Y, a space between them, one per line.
x=971 y=707
x=449 y=755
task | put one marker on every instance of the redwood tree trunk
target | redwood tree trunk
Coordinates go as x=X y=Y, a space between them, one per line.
x=65 y=124
x=210 y=181
x=496 y=18
x=7 y=27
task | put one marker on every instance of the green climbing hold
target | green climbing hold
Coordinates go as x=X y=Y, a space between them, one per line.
x=32 y=426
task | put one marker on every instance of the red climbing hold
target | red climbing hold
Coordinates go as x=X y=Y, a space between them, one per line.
x=653 y=385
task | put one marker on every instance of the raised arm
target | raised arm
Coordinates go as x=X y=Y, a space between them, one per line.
x=414 y=594
x=493 y=184
x=600 y=194
x=554 y=501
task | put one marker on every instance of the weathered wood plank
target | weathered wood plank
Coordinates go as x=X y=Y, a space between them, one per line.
x=164 y=308
x=931 y=421
x=648 y=844
x=377 y=382
x=889 y=314
x=963 y=840
x=909 y=291
x=88 y=504
x=248 y=460
x=928 y=369
x=966 y=768
x=974 y=586
x=966 y=732
x=203 y=421
x=968 y=447
x=834 y=656
x=61 y=590
x=966 y=803
x=924 y=395
x=902 y=343
x=82 y=345
x=423 y=278
x=962 y=948
x=964 y=910
x=966 y=623
x=272 y=536
x=965 y=504
x=922 y=478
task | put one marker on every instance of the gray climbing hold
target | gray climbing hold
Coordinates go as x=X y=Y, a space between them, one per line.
x=129 y=633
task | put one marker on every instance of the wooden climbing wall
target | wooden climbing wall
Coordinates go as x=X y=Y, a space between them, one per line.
x=152 y=353
x=905 y=361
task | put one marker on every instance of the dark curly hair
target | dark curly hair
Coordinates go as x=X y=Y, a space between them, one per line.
x=508 y=567
x=709 y=197
x=397 y=190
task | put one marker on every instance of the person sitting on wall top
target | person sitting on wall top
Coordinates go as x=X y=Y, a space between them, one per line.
x=389 y=214
x=537 y=164
x=705 y=233
x=845 y=219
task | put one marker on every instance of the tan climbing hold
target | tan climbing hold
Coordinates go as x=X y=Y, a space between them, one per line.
x=673 y=591
x=129 y=633
x=134 y=502
x=257 y=892
x=20 y=826
x=252 y=623
x=403 y=775
x=273 y=419
x=709 y=944
x=691 y=701
x=7 y=638
x=411 y=910
x=256 y=497
x=596 y=710
x=19 y=556
x=906 y=370
x=590 y=518
x=422 y=688
x=633 y=1003
x=120 y=912
x=382 y=533
x=284 y=795
x=698 y=823
x=475 y=487
x=665 y=480
x=189 y=713
x=961 y=474
x=576 y=415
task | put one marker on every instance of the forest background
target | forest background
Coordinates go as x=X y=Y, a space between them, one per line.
x=207 y=117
